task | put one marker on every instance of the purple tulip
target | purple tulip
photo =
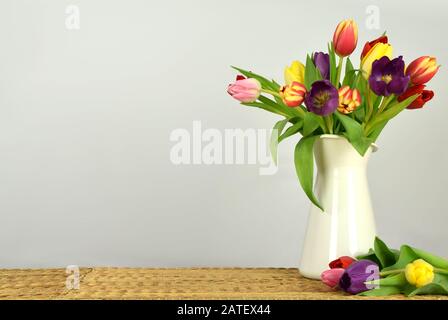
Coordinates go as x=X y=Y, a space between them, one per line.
x=322 y=62
x=357 y=274
x=388 y=76
x=323 y=98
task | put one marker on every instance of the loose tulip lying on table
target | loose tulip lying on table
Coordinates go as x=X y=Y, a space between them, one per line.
x=319 y=98
x=384 y=271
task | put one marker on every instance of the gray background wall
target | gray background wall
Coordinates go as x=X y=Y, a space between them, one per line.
x=85 y=119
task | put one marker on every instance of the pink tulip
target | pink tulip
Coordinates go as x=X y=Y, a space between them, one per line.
x=331 y=277
x=245 y=90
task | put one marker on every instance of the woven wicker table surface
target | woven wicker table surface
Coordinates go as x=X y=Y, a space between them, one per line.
x=195 y=283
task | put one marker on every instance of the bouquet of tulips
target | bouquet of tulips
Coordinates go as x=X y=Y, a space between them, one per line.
x=319 y=98
x=384 y=271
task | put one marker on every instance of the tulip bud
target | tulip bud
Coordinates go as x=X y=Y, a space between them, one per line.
x=422 y=70
x=322 y=62
x=369 y=45
x=349 y=100
x=343 y=262
x=419 y=273
x=345 y=38
x=355 y=278
x=331 y=277
x=378 y=51
x=293 y=94
x=245 y=90
x=424 y=96
x=296 y=72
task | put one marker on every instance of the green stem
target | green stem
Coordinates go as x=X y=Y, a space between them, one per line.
x=338 y=74
x=385 y=103
x=329 y=123
x=300 y=111
x=442 y=271
x=355 y=85
x=275 y=94
x=386 y=273
x=369 y=106
x=267 y=108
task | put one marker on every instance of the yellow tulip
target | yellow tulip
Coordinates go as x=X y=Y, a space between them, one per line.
x=378 y=51
x=419 y=273
x=295 y=73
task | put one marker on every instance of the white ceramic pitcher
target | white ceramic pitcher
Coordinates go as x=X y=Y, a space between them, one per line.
x=347 y=227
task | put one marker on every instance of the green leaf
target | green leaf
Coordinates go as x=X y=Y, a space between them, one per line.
x=434 y=260
x=432 y=288
x=391 y=112
x=377 y=131
x=265 y=83
x=360 y=112
x=276 y=132
x=312 y=74
x=382 y=291
x=362 y=85
x=310 y=123
x=369 y=256
x=354 y=133
x=279 y=106
x=407 y=255
x=394 y=280
x=396 y=253
x=291 y=130
x=376 y=100
x=384 y=254
x=264 y=107
x=349 y=74
x=333 y=66
x=439 y=285
x=304 y=162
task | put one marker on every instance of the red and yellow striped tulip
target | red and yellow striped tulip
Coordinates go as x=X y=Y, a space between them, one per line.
x=293 y=94
x=345 y=38
x=422 y=70
x=349 y=99
x=370 y=44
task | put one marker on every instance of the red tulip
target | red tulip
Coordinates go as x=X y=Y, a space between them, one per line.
x=422 y=70
x=345 y=38
x=369 y=45
x=343 y=262
x=424 y=96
